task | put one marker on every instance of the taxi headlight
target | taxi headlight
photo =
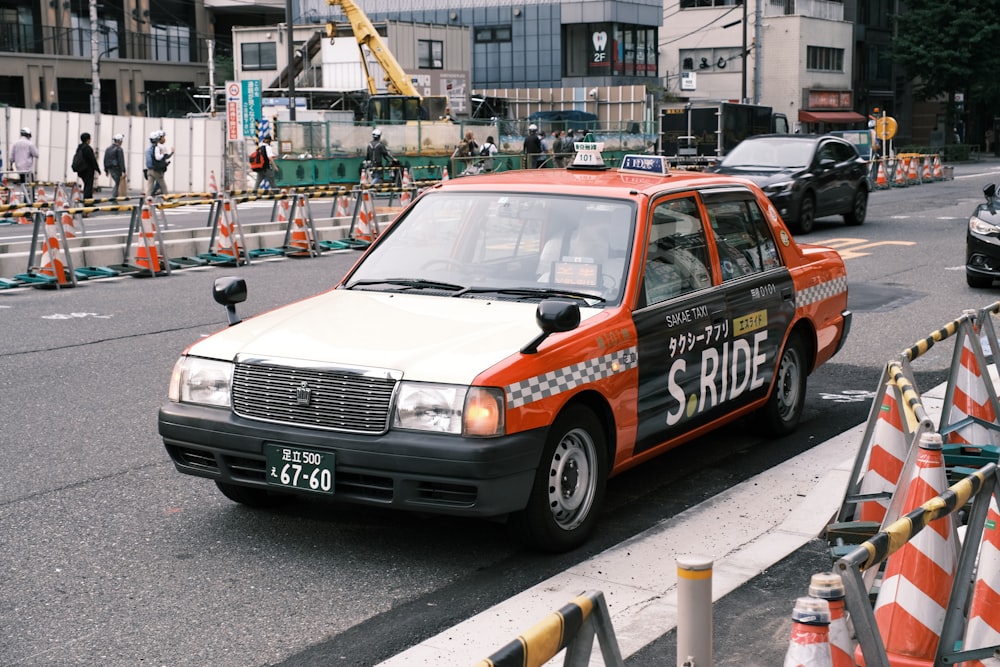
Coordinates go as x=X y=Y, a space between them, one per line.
x=980 y=226
x=202 y=381
x=447 y=408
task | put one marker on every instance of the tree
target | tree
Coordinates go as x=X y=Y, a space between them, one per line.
x=949 y=47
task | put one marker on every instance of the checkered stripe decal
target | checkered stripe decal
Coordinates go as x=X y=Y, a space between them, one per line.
x=564 y=379
x=821 y=291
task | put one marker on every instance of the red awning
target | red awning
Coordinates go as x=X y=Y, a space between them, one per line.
x=832 y=117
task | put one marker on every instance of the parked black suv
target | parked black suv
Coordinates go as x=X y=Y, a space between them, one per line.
x=805 y=176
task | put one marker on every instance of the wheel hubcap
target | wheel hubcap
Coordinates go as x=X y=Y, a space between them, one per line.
x=788 y=383
x=571 y=479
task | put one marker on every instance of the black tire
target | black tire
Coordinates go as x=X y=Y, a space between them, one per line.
x=978 y=282
x=807 y=214
x=569 y=485
x=781 y=415
x=250 y=496
x=859 y=209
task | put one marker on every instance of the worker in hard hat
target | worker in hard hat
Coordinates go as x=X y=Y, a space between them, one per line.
x=379 y=159
x=23 y=154
x=114 y=166
x=533 y=150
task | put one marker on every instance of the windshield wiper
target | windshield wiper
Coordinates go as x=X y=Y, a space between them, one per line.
x=409 y=283
x=532 y=292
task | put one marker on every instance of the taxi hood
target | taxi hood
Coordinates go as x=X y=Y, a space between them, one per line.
x=428 y=338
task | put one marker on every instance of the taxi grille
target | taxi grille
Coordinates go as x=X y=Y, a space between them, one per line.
x=339 y=399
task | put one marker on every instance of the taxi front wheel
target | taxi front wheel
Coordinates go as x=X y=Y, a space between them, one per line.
x=783 y=410
x=569 y=485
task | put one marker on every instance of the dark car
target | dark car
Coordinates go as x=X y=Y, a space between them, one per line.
x=805 y=176
x=982 y=242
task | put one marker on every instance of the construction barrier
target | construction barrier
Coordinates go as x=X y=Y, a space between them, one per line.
x=573 y=628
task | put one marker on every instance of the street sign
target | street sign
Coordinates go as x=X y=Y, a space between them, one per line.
x=234 y=95
x=885 y=127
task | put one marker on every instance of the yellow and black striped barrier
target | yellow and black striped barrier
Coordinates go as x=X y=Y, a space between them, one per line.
x=572 y=627
x=948 y=330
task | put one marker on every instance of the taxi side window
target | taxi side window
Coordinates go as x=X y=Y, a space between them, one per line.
x=676 y=257
x=742 y=237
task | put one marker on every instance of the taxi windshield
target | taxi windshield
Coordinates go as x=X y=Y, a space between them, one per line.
x=504 y=246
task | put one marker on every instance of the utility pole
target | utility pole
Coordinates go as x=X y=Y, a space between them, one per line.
x=743 y=62
x=291 y=58
x=95 y=65
x=211 y=77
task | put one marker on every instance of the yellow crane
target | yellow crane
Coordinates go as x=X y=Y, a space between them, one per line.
x=403 y=102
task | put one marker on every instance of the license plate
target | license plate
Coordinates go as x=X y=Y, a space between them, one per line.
x=296 y=468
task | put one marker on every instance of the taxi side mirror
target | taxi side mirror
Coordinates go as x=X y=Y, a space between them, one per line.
x=553 y=316
x=228 y=292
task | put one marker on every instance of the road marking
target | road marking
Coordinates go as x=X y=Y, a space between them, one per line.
x=848 y=248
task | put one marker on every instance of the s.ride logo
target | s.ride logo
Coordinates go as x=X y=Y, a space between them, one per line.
x=726 y=371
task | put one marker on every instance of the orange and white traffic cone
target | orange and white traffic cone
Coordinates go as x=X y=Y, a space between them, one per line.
x=363 y=181
x=41 y=195
x=146 y=254
x=365 y=227
x=880 y=180
x=809 y=645
x=226 y=243
x=983 y=629
x=899 y=173
x=926 y=175
x=912 y=176
x=284 y=207
x=938 y=172
x=971 y=399
x=302 y=241
x=912 y=600
x=404 y=198
x=69 y=225
x=887 y=453
x=51 y=262
x=213 y=187
x=829 y=586
x=444 y=175
x=343 y=208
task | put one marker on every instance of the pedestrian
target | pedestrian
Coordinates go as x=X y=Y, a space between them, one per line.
x=487 y=152
x=85 y=165
x=266 y=172
x=559 y=148
x=114 y=166
x=23 y=154
x=533 y=148
x=378 y=156
x=157 y=161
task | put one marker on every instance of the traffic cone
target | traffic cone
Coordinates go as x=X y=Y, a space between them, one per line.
x=41 y=195
x=146 y=254
x=365 y=228
x=926 y=176
x=912 y=176
x=51 y=260
x=343 y=209
x=363 y=182
x=938 y=172
x=829 y=586
x=444 y=174
x=912 y=600
x=970 y=397
x=301 y=242
x=69 y=225
x=899 y=173
x=226 y=243
x=809 y=645
x=284 y=207
x=889 y=446
x=213 y=187
x=880 y=180
x=983 y=629
x=404 y=198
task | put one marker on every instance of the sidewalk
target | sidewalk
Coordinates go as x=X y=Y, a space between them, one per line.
x=761 y=536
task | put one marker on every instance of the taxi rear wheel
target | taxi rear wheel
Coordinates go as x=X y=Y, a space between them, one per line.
x=783 y=410
x=569 y=485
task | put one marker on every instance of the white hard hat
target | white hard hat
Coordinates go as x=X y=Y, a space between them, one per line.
x=155 y=135
x=25 y=132
x=376 y=132
x=118 y=138
x=532 y=128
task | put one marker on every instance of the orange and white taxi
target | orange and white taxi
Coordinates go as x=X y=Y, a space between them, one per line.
x=513 y=340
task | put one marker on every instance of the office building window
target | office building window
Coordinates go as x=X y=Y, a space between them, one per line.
x=259 y=55
x=824 y=59
x=430 y=54
x=489 y=34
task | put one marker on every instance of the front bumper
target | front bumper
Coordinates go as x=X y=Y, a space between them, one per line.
x=982 y=255
x=406 y=470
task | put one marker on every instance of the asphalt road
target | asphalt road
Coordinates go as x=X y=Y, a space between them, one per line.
x=110 y=557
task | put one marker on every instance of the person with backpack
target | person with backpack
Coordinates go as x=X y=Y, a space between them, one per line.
x=488 y=150
x=157 y=160
x=262 y=163
x=378 y=157
x=114 y=166
x=85 y=165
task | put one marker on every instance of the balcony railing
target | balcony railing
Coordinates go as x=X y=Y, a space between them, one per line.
x=817 y=9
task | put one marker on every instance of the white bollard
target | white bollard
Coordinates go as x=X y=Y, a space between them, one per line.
x=694 y=612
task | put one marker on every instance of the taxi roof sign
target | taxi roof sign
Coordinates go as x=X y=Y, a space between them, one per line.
x=588 y=155
x=651 y=165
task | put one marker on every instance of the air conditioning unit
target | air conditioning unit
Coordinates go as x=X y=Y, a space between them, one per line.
x=689 y=81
